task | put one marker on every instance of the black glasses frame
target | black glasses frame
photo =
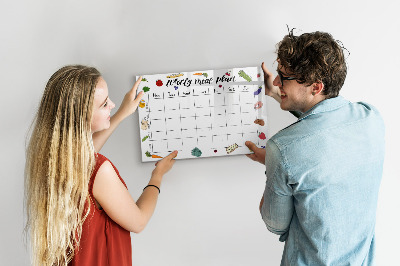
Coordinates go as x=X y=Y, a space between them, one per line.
x=282 y=78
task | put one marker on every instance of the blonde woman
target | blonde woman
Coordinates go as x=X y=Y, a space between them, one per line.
x=78 y=207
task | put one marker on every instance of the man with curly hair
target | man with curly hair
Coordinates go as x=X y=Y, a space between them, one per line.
x=323 y=171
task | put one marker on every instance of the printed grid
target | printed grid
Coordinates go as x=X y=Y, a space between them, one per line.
x=179 y=120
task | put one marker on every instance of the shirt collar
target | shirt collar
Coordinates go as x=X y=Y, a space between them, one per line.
x=325 y=106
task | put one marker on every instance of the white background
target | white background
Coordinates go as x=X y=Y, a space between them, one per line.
x=208 y=208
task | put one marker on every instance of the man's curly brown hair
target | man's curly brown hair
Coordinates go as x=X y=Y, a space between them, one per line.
x=314 y=57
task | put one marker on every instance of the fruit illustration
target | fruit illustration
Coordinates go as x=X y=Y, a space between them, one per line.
x=258 y=105
x=142 y=104
x=159 y=83
x=262 y=135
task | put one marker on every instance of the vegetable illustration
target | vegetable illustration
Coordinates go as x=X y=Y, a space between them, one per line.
x=258 y=91
x=231 y=148
x=148 y=154
x=244 y=75
x=146 y=89
x=196 y=152
x=142 y=104
x=143 y=139
x=172 y=76
x=201 y=74
x=259 y=122
x=144 y=124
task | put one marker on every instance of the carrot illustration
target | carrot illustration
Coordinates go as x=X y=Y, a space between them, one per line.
x=201 y=74
x=148 y=154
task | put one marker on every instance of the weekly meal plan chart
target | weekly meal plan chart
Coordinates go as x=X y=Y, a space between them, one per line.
x=202 y=113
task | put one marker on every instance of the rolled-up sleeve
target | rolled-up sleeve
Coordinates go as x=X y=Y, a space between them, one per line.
x=277 y=209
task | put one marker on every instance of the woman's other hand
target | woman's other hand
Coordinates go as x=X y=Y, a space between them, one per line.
x=131 y=101
x=165 y=164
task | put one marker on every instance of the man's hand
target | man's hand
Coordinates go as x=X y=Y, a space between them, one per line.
x=258 y=155
x=270 y=89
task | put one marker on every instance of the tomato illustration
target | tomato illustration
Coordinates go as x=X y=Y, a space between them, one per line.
x=159 y=83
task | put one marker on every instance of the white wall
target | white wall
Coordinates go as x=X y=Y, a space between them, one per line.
x=208 y=208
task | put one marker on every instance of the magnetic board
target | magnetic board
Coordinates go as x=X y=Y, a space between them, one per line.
x=202 y=113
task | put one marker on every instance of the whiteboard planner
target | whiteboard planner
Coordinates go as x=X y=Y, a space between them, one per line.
x=202 y=113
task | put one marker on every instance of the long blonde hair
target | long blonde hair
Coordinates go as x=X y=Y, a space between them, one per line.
x=59 y=160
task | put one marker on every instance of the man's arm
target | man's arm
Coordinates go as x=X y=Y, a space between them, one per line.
x=276 y=205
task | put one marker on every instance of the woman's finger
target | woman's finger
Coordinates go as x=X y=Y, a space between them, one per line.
x=135 y=86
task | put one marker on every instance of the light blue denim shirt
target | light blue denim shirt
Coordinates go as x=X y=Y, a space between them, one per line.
x=323 y=176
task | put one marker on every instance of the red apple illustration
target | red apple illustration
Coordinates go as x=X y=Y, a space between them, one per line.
x=159 y=83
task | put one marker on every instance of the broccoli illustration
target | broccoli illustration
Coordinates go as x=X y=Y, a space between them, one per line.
x=196 y=152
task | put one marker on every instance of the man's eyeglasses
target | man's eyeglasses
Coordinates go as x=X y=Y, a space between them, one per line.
x=282 y=78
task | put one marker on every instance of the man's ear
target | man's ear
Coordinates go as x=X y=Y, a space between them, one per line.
x=317 y=88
